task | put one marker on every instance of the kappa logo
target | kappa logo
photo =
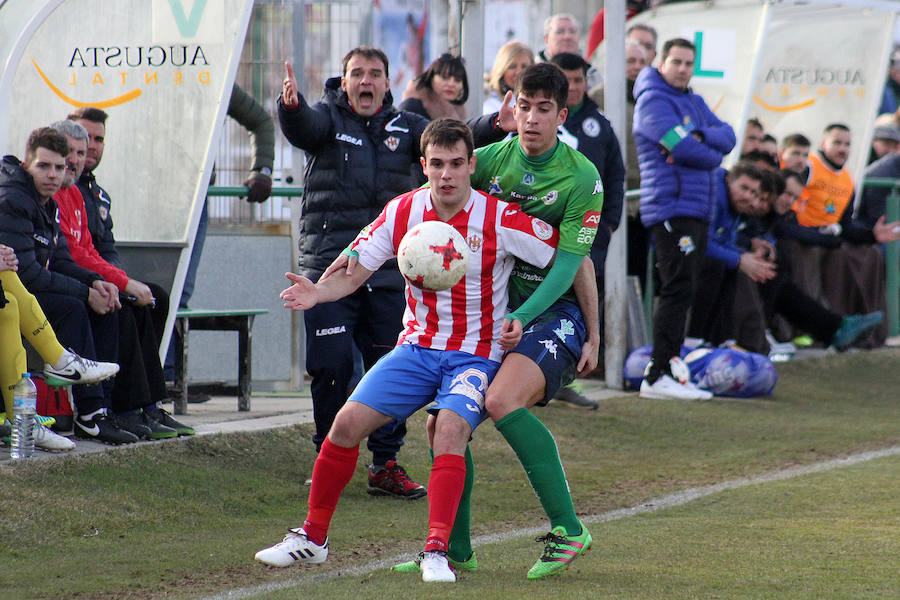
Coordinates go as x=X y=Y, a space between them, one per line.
x=471 y=383
x=591 y=218
x=495 y=188
x=565 y=329
x=598 y=187
x=390 y=127
x=550 y=345
x=331 y=330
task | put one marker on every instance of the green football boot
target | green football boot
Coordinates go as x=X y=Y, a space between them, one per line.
x=560 y=550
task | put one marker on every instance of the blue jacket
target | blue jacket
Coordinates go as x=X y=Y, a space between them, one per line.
x=722 y=243
x=664 y=120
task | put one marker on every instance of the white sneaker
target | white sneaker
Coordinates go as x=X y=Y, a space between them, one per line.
x=50 y=441
x=295 y=547
x=436 y=569
x=79 y=371
x=666 y=388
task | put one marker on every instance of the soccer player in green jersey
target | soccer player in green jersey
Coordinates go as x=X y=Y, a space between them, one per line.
x=549 y=180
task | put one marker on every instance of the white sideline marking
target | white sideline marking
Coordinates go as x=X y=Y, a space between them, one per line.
x=663 y=502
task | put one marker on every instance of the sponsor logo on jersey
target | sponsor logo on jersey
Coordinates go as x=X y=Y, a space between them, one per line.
x=550 y=345
x=390 y=127
x=392 y=143
x=686 y=244
x=471 y=383
x=565 y=329
x=598 y=187
x=586 y=235
x=495 y=188
x=528 y=178
x=331 y=330
x=474 y=242
x=542 y=230
x=345 y=137
x=591 y=218
x=591 y=127
x=550 y=198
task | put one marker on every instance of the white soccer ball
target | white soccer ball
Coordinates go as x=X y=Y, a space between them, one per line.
x=433 y=256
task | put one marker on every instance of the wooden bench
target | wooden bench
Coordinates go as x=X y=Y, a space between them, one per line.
x=240 y=320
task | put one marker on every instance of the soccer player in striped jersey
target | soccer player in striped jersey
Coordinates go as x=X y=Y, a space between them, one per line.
x=448 y=352
x=549 y=180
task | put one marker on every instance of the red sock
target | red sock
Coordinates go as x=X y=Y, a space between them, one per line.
x=331 y=473
x=445 y=487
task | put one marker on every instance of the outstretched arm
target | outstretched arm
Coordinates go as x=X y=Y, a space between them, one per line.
x=305 y=294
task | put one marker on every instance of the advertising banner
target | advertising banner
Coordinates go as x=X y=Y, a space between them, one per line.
x=162 y=69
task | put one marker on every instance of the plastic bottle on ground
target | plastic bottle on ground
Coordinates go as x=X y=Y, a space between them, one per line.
x=24 y=408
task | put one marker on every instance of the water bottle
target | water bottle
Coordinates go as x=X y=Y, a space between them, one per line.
x=24 y=408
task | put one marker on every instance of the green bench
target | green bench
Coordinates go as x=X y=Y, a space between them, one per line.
x=240 y=320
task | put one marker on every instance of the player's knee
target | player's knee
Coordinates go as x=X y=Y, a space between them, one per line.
x=348 y=428
x=430 y=425
x=500 y=401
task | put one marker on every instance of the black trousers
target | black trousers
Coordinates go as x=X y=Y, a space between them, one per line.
x=140 y=380
x=370 y=319
x=680 y=247
x=86 y=333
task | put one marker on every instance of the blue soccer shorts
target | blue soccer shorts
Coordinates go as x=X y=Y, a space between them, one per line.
x=410 y=377
x=554 y=341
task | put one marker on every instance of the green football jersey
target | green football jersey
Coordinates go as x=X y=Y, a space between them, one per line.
x=561 y=187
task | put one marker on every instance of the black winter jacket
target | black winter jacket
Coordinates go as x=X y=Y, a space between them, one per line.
x=32 y=230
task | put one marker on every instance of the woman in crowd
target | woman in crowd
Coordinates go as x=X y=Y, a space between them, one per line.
x=441 y=91
x=512 y=58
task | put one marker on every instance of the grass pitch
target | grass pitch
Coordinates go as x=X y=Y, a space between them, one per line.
x=183 y=520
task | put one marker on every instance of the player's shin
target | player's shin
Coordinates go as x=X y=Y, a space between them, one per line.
x=537 y=451
x=445 y=487
x=331 y=473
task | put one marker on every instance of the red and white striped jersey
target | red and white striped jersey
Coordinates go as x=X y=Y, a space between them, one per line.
x=468 y=316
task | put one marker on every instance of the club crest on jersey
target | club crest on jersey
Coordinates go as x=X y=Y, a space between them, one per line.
x=550 y=198
x=392 y=143
x=104 y=212
x=565 y=329
x=495 y=188
x=542 y=230
x=528 y=178
x=591 y=127
x=550 y=345
x=598 y=187
x=474 y=242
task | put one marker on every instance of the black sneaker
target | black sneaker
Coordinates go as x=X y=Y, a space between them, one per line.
x=133 y=422
x=162 y=417
x=144 y=426
x=103 y=428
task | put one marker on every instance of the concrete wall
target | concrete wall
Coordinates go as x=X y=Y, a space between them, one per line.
x=243 y=271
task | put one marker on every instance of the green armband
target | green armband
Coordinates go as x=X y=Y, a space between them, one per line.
x=351 y=253
x=558 y=280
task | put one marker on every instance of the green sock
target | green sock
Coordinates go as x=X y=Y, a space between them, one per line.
x=460 y=542
x=537 y=451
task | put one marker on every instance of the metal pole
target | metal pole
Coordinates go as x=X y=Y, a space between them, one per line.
x=615 y=309
x=472 y=49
